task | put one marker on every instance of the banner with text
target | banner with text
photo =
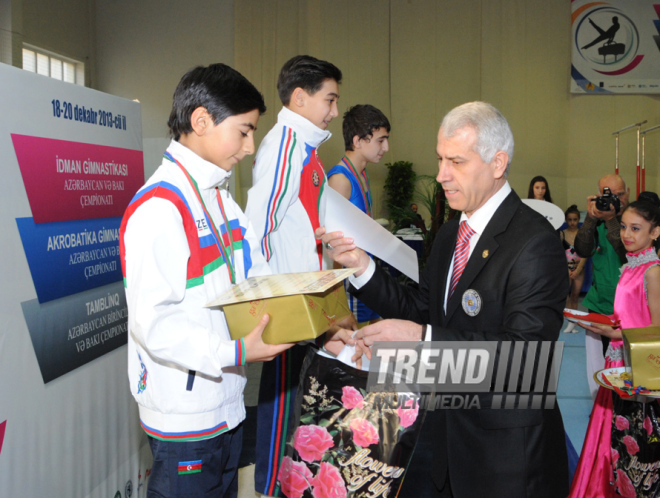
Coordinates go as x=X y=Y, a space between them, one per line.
x=615 y=46
x=72 y=161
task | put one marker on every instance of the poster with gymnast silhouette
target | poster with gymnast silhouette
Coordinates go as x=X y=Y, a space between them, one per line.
x=615 y=47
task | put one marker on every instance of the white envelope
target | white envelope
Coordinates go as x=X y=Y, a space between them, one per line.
x=342 y=216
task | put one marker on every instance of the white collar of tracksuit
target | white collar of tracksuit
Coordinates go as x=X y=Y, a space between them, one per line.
x=306 y=131
x=206 y=174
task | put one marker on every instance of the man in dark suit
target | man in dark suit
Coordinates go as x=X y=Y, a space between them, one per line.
x=516 y=273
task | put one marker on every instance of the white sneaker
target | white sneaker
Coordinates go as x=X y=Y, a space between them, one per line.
x=571 y=328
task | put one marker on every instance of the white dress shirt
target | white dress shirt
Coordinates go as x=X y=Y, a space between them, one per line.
x=477 y=222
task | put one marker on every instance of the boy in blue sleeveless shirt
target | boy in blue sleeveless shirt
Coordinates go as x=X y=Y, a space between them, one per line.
x=366 y=138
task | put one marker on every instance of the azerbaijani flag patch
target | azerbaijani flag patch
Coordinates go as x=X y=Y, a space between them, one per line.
x=192 y=467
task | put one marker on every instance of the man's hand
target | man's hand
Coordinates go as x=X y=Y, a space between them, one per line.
x=343 y=250
x=388 y=330
x=340 y=335
x=256 y=349
x=595 y=213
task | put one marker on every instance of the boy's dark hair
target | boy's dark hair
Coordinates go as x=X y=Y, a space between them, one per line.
x=221 y=90
x=306 y=72
x=362 y=120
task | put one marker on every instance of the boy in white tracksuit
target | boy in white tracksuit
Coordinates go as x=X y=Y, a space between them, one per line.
x=183 y=241
x=286 y=202
x=285 y=206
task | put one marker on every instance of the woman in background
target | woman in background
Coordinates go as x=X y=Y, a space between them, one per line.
x=539 y=189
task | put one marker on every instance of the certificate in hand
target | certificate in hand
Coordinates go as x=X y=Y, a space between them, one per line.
x=342 y=216
x=588 y=318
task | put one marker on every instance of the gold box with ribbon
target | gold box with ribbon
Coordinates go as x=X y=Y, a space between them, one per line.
x=641 y=356
x=301 y=306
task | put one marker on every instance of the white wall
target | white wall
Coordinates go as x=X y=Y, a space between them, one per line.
x=415 y=59
x=143 y=48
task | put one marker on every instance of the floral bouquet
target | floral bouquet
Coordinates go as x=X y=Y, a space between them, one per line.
x=636 y=447
x=347 y=442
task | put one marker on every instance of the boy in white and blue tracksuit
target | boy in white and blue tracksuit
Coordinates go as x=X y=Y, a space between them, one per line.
x=184 y=241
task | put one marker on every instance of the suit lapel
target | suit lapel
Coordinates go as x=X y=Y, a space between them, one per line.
x=446 y=247
x=484 y=250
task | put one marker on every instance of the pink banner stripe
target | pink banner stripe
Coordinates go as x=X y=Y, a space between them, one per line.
x=2 y=433
x=68 y=181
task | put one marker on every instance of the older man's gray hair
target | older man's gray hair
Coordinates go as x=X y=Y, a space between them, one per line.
x=492 y=129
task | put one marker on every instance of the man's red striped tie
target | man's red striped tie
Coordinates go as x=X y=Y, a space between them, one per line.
x=461 y=253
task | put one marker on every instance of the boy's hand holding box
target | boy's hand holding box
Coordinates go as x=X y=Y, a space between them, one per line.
x=301 y=305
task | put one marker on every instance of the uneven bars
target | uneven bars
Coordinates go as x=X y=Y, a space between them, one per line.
x=631 y=126
x=643 y=133
x=650 y=129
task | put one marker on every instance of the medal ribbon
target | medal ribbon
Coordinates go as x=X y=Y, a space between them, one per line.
x=628 y=391
x=229 y=261
x=365 y=187
x=228 y=227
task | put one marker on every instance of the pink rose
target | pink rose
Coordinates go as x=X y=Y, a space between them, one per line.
x=621 y=423
x=328 y=483
x=648 y=426
x=294 y=478
x=351 y=397
x=408 y=414
x=311 y=442
x=364 y=432
x=631 y=444
x=625 y=485
x=615 y=457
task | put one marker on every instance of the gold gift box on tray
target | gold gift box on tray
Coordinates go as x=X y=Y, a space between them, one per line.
x=641 y=356
x=301 y=305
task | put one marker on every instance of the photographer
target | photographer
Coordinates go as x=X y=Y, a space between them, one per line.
x=599 y=239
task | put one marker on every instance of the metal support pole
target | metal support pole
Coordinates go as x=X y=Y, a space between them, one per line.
x=637 y=167
x=643 y=161
x=616 y=160
x=616 y=134
x=644 y=155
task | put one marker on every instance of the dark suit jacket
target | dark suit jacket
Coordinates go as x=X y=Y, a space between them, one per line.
x=518 y=267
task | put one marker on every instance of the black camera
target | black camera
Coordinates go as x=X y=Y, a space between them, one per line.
x=603 y=202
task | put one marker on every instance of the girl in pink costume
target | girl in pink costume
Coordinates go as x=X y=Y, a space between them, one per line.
x=601 y=471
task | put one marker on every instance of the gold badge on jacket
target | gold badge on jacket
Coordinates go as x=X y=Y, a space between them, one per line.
x=471 y=302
